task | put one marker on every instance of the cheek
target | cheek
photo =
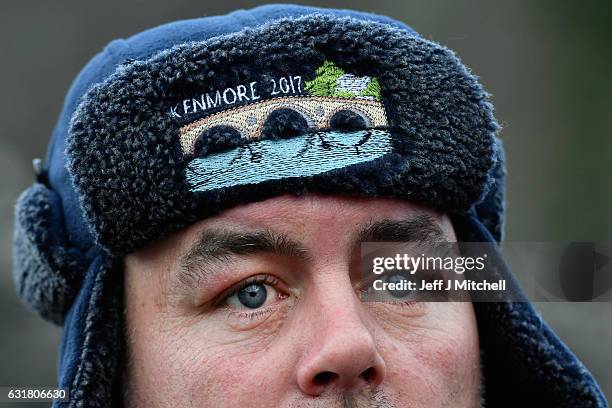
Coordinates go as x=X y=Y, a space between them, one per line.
x=236 y=375
x=437 y=360
x=196 y=369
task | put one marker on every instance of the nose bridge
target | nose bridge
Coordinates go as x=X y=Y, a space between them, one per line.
x=343 y=352
x=337 y=304
x=339 y=317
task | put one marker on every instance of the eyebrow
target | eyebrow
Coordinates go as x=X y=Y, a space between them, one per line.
x=421 y=228
x=215 y=246
x=220 y=245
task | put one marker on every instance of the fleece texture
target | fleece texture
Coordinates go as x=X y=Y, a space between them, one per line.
x=524 y=363
x=115 y=179
x=129 y=170
x=47 y=272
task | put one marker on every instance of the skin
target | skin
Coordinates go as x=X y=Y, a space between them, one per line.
x=314 y=342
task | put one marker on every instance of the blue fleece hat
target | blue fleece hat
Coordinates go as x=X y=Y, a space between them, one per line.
x=184 y=120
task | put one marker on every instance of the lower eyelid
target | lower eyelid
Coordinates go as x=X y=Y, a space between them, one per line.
x=266 y=318
x=410 y=308
x=255 y=314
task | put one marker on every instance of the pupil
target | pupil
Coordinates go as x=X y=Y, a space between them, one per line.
x=397 y=278
x=253 y=296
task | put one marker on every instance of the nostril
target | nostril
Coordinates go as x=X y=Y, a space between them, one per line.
x=368 y=374
x=325 y=377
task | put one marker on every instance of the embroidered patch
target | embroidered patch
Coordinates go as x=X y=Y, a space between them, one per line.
x=332 y=98
x=332 y=90
x=274 y=159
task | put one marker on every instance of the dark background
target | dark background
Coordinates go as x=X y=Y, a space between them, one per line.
x=546 y=63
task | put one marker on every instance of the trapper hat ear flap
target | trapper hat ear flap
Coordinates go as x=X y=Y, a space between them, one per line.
x=490 y=211
x=46 y=270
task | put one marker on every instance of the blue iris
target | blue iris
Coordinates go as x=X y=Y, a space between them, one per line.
x=253 y=296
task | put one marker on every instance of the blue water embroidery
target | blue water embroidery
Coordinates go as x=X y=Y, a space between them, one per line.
x=274 y=159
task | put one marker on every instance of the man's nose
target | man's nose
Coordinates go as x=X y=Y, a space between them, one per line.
x=343 y=355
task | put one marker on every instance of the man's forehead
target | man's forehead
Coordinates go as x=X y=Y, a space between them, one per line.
x=293 y=215
x=290 y=210
x=317 y=214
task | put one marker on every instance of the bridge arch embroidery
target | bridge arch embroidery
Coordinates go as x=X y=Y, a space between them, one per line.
x=248 y=120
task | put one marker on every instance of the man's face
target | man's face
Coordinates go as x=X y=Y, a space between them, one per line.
x=260 y=307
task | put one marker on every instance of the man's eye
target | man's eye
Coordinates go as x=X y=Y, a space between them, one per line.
x=404 y=293
x=386 y=288
x=253 y=296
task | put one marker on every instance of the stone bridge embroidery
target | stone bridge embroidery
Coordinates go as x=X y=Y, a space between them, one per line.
x=316 y=110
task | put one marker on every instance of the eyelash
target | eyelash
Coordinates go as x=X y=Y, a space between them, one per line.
x=253 y=280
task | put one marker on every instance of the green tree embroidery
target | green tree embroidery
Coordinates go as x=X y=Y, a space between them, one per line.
x=326 y=81
x=372 y=89
x=324 y=84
